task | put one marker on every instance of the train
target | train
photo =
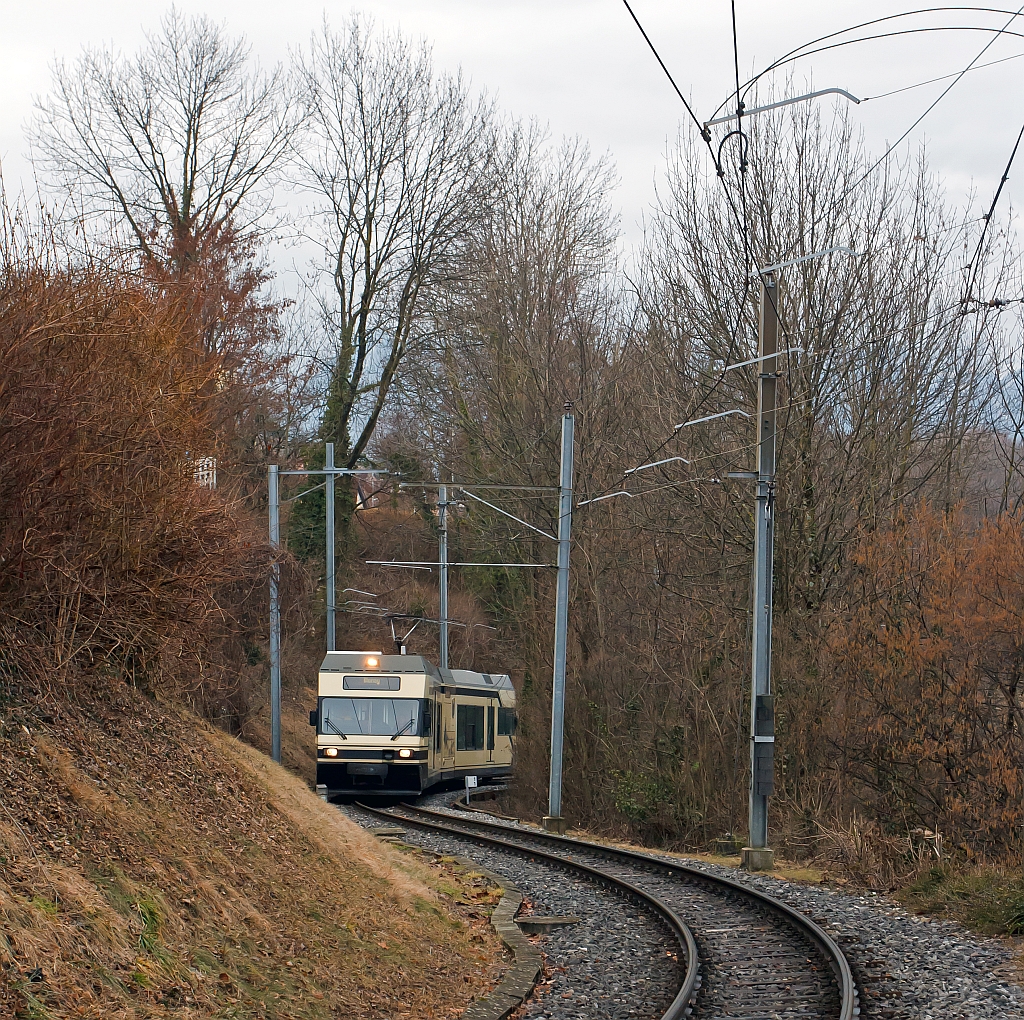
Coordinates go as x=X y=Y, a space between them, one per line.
x=396 y=725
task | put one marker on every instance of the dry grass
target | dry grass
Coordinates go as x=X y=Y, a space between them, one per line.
x=298 y=738
x=152 y=866
x=792 y=871
x=986 y=898
x=789 y=870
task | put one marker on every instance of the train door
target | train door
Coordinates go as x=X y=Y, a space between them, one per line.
x=491 y=724
x=445 y=732
x=436 y=730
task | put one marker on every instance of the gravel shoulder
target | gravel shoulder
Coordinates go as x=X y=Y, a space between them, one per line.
x=906 y=967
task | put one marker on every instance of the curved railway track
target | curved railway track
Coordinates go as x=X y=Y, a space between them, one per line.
x=749 y=955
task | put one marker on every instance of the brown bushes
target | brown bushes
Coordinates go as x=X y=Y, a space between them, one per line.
x=111 y=556
x=928 y=669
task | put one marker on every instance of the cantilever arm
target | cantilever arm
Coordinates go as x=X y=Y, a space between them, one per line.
x=783 y=102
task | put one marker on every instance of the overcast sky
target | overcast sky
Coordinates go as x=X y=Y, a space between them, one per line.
x=581 y=67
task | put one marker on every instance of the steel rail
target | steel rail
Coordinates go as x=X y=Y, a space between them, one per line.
x=827 y=946
x=682 y=1004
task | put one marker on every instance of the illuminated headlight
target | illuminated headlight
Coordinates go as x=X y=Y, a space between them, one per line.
x=404 y=753
x=331 y=752
x=372 y=662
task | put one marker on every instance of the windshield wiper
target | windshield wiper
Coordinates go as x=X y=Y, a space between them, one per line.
x=403 y=729
x=328 y=722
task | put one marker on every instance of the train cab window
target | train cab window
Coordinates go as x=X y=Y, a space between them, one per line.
x=506 y=722
x=381 y=717
x=469 y=728
x=490 y=727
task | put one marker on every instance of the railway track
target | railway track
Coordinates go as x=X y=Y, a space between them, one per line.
x=748 y=956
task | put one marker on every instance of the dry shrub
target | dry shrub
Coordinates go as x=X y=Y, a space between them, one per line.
x=927 y=666
x=862 y=850
x=111 y=556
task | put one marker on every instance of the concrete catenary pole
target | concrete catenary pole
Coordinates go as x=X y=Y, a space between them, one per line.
x=757 y=856
x=442 y=522
x=553 y=820
x=330 y=552
x=275 y=614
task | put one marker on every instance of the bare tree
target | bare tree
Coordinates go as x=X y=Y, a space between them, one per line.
x=882 y=409
x=394 y=158
x=177 y=143
x=882 y=404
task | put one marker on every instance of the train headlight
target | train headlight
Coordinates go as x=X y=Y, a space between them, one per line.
x=404 y=753
x=331 y=752
x=372 y=662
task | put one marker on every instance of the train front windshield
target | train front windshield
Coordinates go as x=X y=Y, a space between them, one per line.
x=371 y=717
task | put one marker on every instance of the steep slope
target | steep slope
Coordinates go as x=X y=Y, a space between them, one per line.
x=153 y=866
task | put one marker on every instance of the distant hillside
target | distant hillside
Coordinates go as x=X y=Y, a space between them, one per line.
x=152 y=866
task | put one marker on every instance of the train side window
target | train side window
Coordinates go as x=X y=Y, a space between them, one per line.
x=428 y=718
x=490 y=727
x=469 y=728
x=506 y=722
x=437 y=730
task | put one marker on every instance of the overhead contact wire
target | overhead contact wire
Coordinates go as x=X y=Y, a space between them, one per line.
x=668 y=74
x=976 y=258
x=740 y=219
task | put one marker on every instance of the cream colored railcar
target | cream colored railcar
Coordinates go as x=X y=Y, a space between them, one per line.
x=395 y=725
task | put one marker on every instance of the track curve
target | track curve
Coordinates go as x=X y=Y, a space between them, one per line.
x=682 y=1004
x=756 y=957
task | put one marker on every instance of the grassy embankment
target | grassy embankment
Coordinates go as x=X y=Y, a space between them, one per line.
x=151 y=866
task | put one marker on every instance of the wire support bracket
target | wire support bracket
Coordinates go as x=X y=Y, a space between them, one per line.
x=782 y=102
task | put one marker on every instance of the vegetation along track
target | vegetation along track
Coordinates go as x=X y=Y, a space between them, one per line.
x=750 y=955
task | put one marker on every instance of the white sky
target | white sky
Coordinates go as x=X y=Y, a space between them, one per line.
x=581 y=67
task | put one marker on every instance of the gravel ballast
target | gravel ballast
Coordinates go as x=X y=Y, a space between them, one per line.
x=906 y=967
x=619 y=963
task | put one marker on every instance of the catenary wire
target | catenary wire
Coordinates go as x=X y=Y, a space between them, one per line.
x=668 y=74
x=932 y=81
x=957 y=78
x=798 y=52
x=945 y=92
x=976 y=258
x=742 y=220
x=802 y=51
